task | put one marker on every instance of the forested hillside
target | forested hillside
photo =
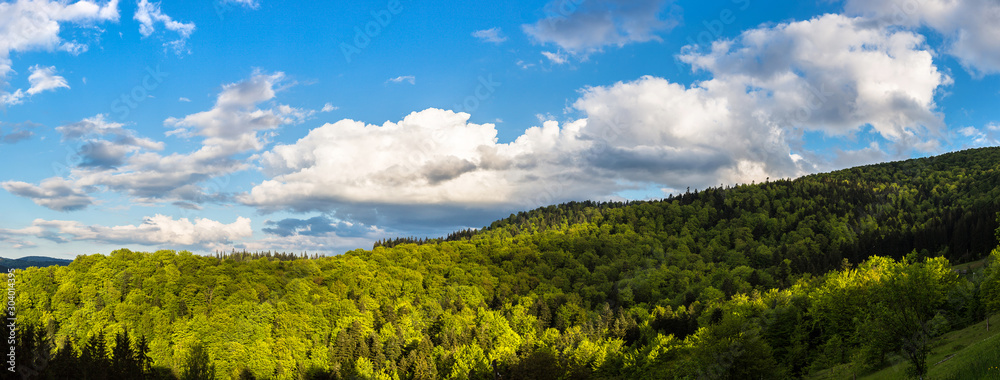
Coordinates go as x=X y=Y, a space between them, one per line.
x=771 y=280
x=30 y=261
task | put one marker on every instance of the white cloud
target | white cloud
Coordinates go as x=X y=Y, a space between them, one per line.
x=233 y=124
x=55 y=193
x=36 y=25
x=493 y=35
x=104 y=144
x=832 y=73
x=148 y=14
x=113 y=158
x=655 y=131
x=432 y=157
x=973 y=137
x=968 y=131
x=185 y=100
x=970 y=27
x=404 y=78
x=231 y=127
x=12 y=99
x=45 y=79
x=329 y=108
x=158 y=230
x=16 y=243
x=292 y=115
x=583 y=27
x=556 y=58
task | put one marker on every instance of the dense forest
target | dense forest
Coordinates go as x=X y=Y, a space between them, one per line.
x=769 y=280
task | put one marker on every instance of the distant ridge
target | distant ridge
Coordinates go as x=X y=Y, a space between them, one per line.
x=30 y=261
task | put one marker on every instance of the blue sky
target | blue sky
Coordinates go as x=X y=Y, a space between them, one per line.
x=323 y=126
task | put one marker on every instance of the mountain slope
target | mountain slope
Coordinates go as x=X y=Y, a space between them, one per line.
x=764 y=280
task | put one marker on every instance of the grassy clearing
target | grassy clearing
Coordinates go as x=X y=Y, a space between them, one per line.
x=972 y=266
x=969 y=353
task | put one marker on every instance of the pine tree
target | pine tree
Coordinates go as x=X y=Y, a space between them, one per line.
x=124 y=363
x=144 y=362
x=198 y=366
x=94 y=361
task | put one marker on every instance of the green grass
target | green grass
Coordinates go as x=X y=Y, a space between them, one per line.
x=971 y=353
x=971 y=266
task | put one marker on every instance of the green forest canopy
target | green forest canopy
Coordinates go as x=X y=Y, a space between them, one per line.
x=770 y=280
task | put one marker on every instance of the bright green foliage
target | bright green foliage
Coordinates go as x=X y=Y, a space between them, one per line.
x=989 y=291
x=756 y=281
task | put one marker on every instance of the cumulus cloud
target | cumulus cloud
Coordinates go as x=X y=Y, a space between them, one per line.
x=234 y=123
x=55 y=193
x=104 y=144
x=328 y=107
x=583 y=27
x=433 y=157
x=492 y=35
x=45 y=79
x=36 y=25
x=114 y=158
x=158 y=230
x=233 y=126
x=655 y=131
x=832 y=73
x=99 y=126
x=149 y=14
x=970 y=27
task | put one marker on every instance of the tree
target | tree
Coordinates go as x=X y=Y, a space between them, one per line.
x=143 y=360
x=124 y=362
x=94 y=361
x=989 y=288
x=198 y=365
x=907 y=302
x=66 y=364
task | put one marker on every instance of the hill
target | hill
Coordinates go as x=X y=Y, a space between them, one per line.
x=30 y=261
x=773 y=280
